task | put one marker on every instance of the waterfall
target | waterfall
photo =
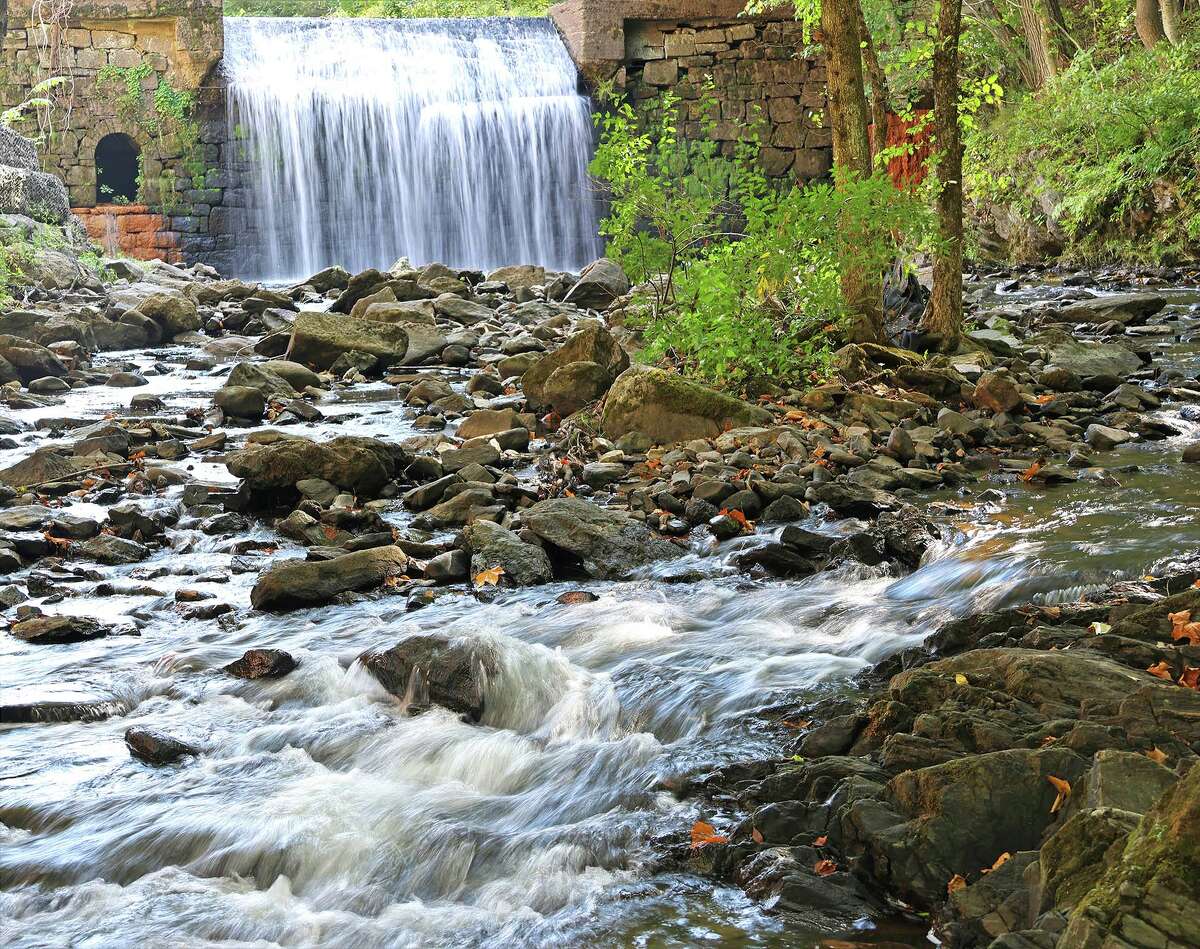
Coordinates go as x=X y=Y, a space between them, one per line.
x=359 y=141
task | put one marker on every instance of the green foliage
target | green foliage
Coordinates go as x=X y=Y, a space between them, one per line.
x=39 y=98
x=1103 y=151
x=166 y=115
x=744 y=277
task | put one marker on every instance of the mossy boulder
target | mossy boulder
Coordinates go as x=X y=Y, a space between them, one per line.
x=318 y=339
x=669 y=408
x=593 y=344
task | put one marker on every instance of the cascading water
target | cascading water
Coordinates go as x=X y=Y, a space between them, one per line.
x=459 y=141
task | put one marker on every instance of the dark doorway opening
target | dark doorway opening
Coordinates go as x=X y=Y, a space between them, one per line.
x=116 y=170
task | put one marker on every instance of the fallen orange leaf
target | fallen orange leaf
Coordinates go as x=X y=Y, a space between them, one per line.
x=821 y=841
x=756 y=835
x=489 y=578
x=1064 y=791
x=1000 y=861
x=1190 y=678
x=956 y=883
x=1154 y=754
x=1031 y=472
x=1183 y=628
x=825 y=868
x=704 y=834
x=1162 y=670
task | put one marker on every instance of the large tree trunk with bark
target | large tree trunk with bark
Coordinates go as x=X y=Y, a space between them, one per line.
x=848 y=119
x=1170 y=10
x=1046 y=36
x=1147 y=18
x=943 y=317
x=880 y=96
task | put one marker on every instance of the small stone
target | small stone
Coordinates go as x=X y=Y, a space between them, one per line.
x=261 y=664
x=156 y=748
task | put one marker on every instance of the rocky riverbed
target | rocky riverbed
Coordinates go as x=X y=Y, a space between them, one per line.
x=403 y=602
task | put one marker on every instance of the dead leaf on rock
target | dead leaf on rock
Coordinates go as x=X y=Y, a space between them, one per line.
x=1155 y=755
x=1031 y=472
x=1100 y=628
x=1182 y=628
x=704 y=834
x=1000 y=861
x=1190 y=678
x=756 y=835
x=825 y=868
x=490 y=577
x=821 y=841
x=1064 y=791
x=957 y=882
x=961 y=679
x=1162 y=670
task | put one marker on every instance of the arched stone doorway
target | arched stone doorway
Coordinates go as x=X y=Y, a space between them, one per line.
x=116 y=169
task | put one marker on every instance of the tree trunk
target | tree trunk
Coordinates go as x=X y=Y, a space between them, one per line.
x=863 y=291
x=1047 y=38
x=1170 y=10
x=1147 y=18
x=880 y=95
x=943 y=317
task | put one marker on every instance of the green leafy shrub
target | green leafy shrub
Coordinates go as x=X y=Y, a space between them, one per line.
x=742 y=276
x=1104 y=151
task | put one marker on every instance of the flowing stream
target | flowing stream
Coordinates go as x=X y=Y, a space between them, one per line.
x=322 y=814
x=360 y=141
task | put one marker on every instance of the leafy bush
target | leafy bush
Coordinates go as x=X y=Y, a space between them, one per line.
x=743 y=276
x=1104 y=151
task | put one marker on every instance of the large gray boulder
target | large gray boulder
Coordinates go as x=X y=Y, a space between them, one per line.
x=437 y=670
x=1119 y=307
x=494 y=546
x=318 y=339
x=668 y=408
x=609 y=544
x=262 y=378
x=33 y=194
x=30 y=360
x=1088 y=359
x=17 y=151
x=298 y=583
x=599 y=285
x=360 y=465
x=593 y=344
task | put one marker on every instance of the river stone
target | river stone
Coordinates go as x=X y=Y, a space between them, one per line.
x=318 y=339
x=452 y=673
x=261 y=664
x=298 y=376
x=1119 y=307
x=112 y=550
x=240 y=402
x=1104 y=437
x=610 y=544
x=360 y=285
x=297 y=583
x=996 y=392
x=489 y=422
x=30 y=360
x=261 y=377
x=360 y=465
x=43 y=466
x=408 y=312
x=494 y=546
x=331 y=278
x=575 y=385
x=593 y=344
x=466 y=312
x=600 y=283
x=55 y=630
x=155 y=747
x=171 y=310
x=1090 y=360
x=455 y=510
x=520 y=276
x=668 y=408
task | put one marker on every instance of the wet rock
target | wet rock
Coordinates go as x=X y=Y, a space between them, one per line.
x=489 y=422
x=668 y=408
x=607 y=543
x=261 y=378
x=569 y=388
x=1087 y=360
x=449 y=567
x=155 y=747
x=593 y=344
x=600 y=283
x=49 y=385
x=996 y=392
x=261 y=664
x=1105 y=438
x=172 y=311
x=318 y=339
x=451 y=673
x=1191 y=454
x=360 y=465
x=455 y=510
x=55 y=630
x=241 y=402
x=855 y=500
x=29 y=360
x=112 y=550
x=298 y=584
x=126 y=380
x=494 y=546
x=1122 y=308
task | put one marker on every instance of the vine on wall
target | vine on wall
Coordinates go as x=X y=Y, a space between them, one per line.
x=166 y=116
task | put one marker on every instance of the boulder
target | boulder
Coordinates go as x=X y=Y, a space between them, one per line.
x=601 y=282
x=296 y=584
x=1089 y=360
x=240 y=402
x=433 y=669
x=155 y=747
x=261 y=664
x=594 y=344
x=575 y=385
x=262 y=378
x=55 y=630
x=172 y=311
x=668 y=408
x=30 y=360
x=489 y=422
x=996 y=392
x=113 y=551
x=494 y=546
x=44 y=466
x=519 y=277
x=1122 y=308
x=299 y=377
x=360 y=465
x=318 y=339
x=608 y=543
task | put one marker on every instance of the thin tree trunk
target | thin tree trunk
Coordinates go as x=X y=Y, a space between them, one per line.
x=1170 y=10
x=848 y=115
x=880 y=95
x=943 y=317
x=1045 y=65
x=1147 y=18
x=1005 y=36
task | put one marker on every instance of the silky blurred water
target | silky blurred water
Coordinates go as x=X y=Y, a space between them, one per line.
x=359 y=141
x=322 y=814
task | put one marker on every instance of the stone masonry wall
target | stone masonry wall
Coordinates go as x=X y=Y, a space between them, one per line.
x=182 y=180
x=759 y=72
x=758 y=79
